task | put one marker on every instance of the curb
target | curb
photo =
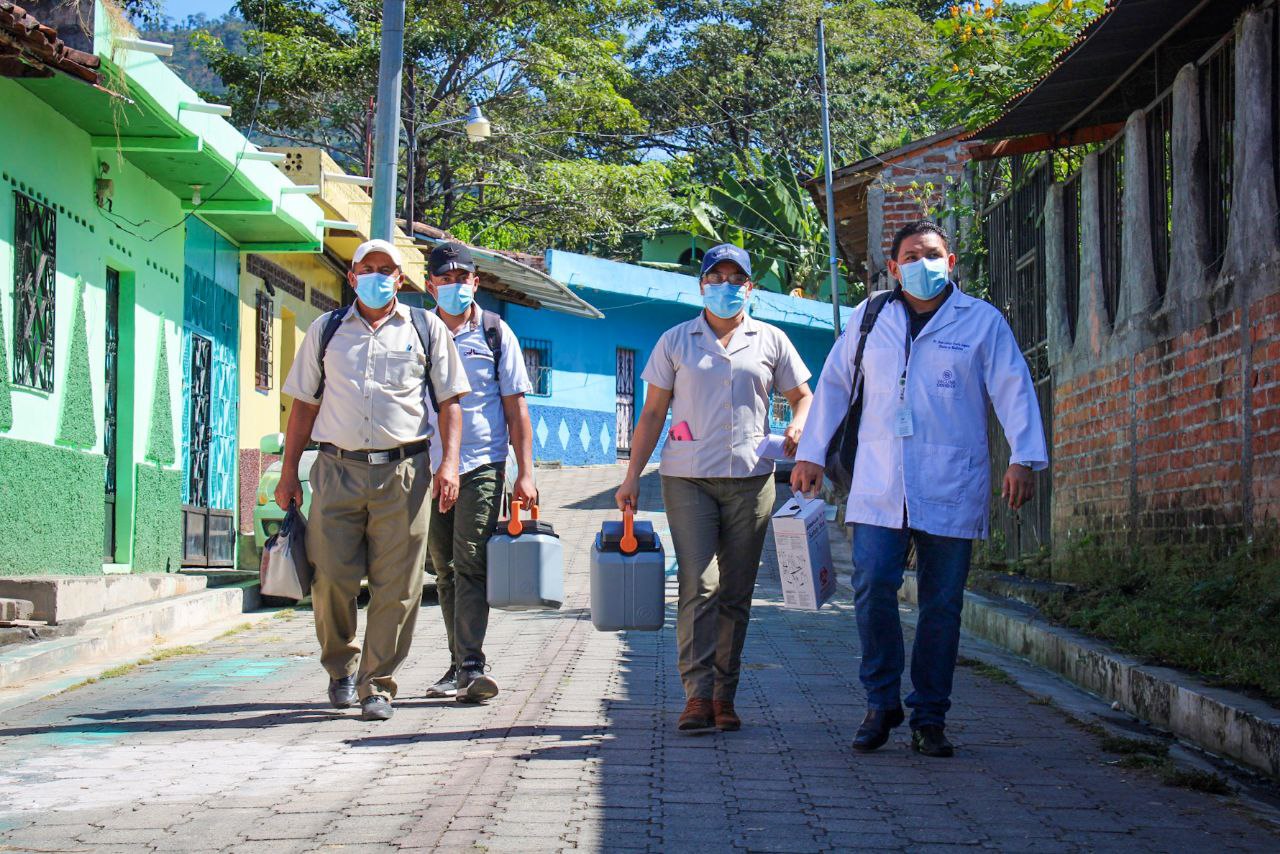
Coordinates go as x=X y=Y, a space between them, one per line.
x=121 y=632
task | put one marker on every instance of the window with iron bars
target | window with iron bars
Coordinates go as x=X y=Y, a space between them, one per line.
x=262 y=364
x=537 y=363
x=1110 y=203
x=35 y=241
x=1218 y=99
x=1160 y=186
x=1071 y=247
x=780 y=413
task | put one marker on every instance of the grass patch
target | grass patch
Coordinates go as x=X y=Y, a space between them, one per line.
x=284 y=614
x=1213 y=611
x=125 y=669
x=235 y=630
x=1046 y=700
x=1201 y=781
x=1133 y=746
x=990 y=671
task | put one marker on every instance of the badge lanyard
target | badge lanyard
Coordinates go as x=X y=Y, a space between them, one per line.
x=902 y=425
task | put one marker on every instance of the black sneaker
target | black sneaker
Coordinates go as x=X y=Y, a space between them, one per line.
x=446 y=685
x=342 y=692
x=931 y=740
x=375 y=708
x=474 y=686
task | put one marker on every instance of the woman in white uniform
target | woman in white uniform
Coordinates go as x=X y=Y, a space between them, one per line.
x=715 y=373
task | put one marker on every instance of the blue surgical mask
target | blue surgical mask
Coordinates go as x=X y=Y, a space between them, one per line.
x=725 y=300
x=924 y=279
x=375 y=289
x=455 y=299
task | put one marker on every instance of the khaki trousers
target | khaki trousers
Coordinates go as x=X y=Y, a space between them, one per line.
x=718 y=526
x=368 y=519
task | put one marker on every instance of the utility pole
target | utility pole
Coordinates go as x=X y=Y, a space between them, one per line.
x=386 y=139
x=411 y=156
x=832 y=260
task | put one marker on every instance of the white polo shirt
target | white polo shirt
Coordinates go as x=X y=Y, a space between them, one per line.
x=374 y=380
x=484 y=421
x=722 y=393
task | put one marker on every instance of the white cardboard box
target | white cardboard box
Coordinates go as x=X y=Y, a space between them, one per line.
x=804 y=553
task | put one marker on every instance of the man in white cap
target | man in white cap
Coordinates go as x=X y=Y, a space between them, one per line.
x=363 y=385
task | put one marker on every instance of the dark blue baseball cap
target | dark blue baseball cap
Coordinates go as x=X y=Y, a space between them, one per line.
x=726 y=252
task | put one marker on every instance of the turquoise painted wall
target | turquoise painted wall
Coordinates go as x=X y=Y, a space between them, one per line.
x=62 y=487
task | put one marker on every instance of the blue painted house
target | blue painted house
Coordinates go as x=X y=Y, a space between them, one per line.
x=586 y=371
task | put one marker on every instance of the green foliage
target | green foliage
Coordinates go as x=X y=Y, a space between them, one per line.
x=1215 y=612
x=187 y=35
x=160 y=438
x=992 y=50
x=76 y=420
x=769 y=213
x=724 y=81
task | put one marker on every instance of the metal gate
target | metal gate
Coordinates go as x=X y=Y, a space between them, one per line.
x=199 y=436
x=1014 y=231
x=626 y=408
x=111 y=410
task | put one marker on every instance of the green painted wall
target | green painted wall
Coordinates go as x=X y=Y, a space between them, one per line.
x=61 y=488
x=53 y=509
x=157 y=537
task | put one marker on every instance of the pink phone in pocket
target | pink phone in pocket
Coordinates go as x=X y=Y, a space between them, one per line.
x=681 y=432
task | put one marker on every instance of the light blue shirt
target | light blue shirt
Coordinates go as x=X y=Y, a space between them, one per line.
x=484 y=422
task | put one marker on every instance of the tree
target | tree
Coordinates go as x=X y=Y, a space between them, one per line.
x=992 y=50
x=720 y=80
x=547 y=74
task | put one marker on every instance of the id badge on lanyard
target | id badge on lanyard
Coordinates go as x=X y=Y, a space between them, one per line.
x=903 y=424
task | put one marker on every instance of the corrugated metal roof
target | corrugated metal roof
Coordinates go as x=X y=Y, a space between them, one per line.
x=515 y=281
x=1082 y=86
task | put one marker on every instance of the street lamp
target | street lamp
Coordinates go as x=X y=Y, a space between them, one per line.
x=478 y=130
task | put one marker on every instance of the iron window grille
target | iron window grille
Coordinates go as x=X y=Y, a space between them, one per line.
x=1110 y=204
x=35 y=242
x=1071 y=247
x=1218 y=94
x=262 y=365
x=1160 y=186
x=537 y=362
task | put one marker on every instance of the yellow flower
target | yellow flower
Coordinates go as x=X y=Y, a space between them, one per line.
x=970 y=72
x=990 y=13
x=955 y=11
x=1067 y=5
x=955 y=67
x=980 y=31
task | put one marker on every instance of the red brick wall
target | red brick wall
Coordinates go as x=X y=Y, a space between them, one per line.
x=902 y=202
x=1168 y=446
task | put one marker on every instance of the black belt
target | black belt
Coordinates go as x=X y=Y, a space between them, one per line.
x=376 y=457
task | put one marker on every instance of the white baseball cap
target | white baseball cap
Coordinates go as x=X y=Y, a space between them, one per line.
x=384 y=246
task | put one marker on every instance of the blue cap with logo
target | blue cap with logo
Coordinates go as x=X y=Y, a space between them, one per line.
x=726 y=252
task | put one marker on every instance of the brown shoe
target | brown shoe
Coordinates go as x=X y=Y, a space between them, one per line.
x=726 y=718
x=697 y=715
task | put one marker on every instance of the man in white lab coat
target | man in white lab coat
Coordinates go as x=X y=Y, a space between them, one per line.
x=931 y=363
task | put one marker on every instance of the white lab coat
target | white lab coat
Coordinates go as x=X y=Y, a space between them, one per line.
x=965 y=356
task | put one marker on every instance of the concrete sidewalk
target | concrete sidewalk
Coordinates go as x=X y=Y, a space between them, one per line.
x=234 y=749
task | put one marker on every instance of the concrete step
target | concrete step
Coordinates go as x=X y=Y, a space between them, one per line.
x=16 y=609
x=123 y=631
x=63 y=598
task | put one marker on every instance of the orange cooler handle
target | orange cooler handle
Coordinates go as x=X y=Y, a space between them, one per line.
x=533 y=512
x=515 y=527
x=628 y=544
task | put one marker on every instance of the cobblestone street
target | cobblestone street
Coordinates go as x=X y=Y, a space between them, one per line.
x=234 y=748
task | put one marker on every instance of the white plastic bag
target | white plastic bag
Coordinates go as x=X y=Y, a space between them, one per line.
x=285 y=571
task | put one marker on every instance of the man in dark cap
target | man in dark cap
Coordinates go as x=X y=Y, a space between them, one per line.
x=493 y=414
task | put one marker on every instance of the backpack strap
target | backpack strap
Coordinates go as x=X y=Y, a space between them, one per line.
x=869 y=318
x=332 y=321
x=418 y=316
x=493 y=337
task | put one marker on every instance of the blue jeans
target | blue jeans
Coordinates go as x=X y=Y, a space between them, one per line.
x=942 y=565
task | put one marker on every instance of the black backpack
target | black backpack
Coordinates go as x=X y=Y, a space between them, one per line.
x=419 y=318
x=843 y=446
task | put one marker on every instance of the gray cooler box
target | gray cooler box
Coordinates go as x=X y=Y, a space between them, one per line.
x=525 y=566
x=628 y=589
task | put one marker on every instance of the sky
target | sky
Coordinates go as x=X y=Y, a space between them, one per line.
x=179 y=9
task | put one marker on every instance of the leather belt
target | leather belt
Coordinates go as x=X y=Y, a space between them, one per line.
x=377 y=457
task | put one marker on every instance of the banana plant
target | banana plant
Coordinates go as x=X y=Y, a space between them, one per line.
x=767 y=211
